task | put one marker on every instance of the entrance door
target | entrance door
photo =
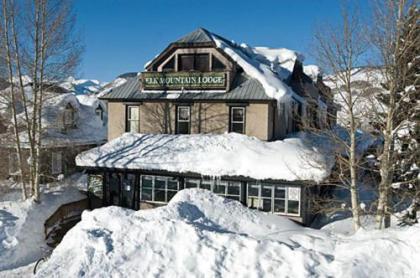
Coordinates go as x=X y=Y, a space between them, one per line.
x=127 y=191
x=114 y=190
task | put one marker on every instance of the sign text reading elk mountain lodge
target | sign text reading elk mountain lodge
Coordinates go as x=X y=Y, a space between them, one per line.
x=183 y=80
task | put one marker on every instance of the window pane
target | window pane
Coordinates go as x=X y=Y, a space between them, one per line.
x=133 y=126
x=146 y=194
x=293 y=207
x=280 y=192
x=146 y=181
x=237 y=127
x=172 y=184
x=206 y=185
x=266 y=204
x=253 y=202
x=217 y=64
x=219 y=189
x=236 y=198
x=266 y=191
x=159 y=195
x=169 y=66
x=133 y=112
x=279 y=205
x=234 y=189
x=186 y=62
x=202 y=62
x=160 y=183
x=191 y=183
x=253 y=190
x=183 y=128
x=183 y=114
x=238 y=114
x=171 y=194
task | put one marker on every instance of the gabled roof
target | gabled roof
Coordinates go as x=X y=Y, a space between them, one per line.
x=200 y=35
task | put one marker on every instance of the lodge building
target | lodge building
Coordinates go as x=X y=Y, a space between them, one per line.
x=204 y=84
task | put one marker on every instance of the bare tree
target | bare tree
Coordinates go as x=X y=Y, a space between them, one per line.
x=46 y=49
x=7 y=13
x=396 y=37
x=339 y=50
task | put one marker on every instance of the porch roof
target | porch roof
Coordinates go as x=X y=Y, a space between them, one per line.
x=230 y=154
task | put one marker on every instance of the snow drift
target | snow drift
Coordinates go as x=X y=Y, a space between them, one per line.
x=199 y=234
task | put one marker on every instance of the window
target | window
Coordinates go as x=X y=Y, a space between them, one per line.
x=95 y=183
x=69 y=117
x=193 y=62
x=183 y=120
x=128 y=183
x=228 y=189
x=216 y=64
x=237 y=120
x=13 y=163
x=56 y=163
x=158 y=188
x=274 y=198
x=169 y=66
x=99 y=112
x=133 y=119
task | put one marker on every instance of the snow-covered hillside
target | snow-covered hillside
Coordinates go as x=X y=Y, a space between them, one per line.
x=199 y=234
x=366 y=84
x=83 y=86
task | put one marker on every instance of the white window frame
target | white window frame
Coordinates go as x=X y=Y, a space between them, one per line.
x=178 y=108
x=273 y=198
x=129 y=120
x=56 y=163
x=166 y=179
x=237 y=122
x=213 y=183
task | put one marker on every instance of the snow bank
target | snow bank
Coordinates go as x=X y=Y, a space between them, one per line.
x=22 y=225
x=212 y=155
x=199 y=234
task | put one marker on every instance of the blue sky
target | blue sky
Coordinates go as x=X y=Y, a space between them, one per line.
x=122 y=35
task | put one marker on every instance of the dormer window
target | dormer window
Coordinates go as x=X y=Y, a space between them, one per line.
x=216 y=64
x=169 y=66
x=69 y=117
x=193 y=62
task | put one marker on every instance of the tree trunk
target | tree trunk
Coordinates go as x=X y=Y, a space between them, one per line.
x=6 y=39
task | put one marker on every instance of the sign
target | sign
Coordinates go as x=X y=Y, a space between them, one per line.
x=183 y=80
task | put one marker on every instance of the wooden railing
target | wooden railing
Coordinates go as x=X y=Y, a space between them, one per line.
x=63 y=213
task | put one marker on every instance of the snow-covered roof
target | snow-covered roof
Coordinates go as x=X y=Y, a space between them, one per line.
x=271 y=67
x=212 y=155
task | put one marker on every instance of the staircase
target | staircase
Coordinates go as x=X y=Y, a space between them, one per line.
x=62 y=220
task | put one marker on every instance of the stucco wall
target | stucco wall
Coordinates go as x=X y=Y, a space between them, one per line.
x=160 y=117
x=257 y=120
x=116 y=119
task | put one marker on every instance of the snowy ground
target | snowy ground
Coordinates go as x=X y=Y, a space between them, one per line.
x=199 y=234
x=22 y=224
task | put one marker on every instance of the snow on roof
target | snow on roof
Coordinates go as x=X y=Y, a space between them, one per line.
x=269 y=66
x=313 y=71
x=212 y=155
